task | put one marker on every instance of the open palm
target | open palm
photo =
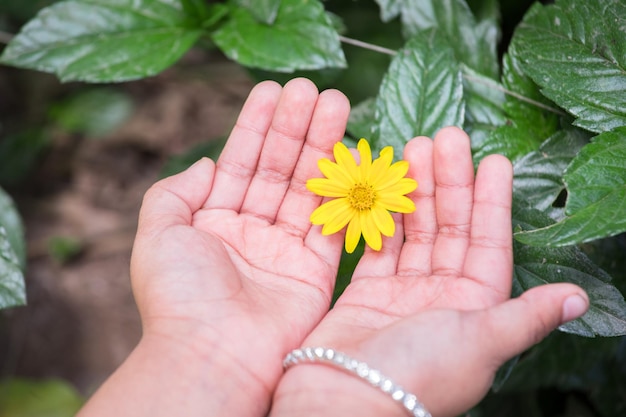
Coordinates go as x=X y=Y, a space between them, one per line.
x=237 y=259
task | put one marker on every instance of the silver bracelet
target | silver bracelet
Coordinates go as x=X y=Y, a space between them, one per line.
x=343 y=362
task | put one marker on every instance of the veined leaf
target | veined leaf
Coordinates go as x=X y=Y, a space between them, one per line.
x=484 y=99
x=538 y=175
x=361 y=122
x=542 y=265
x=301 y=37
x=103 y=40
x=576 y=51
x=530 y=117
x=596 y=202
x=421 y=93
x=11 y=222
x=264 y=11
x=474 y=42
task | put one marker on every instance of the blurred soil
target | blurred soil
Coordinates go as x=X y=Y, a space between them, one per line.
x=81 y=321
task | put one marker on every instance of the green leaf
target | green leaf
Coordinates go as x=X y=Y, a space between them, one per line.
x=12 y=289
x=525 y=104
x=529 y=117
x=301 y=37
x=474 y=42
x=94 y=112
x=361 y=123
x=596 y=202
x=538 y=175
x=29 y=398
x=483 y=105
x=576 y=51
x=421 y=93
x=103 y=40
x=542 y=265
x=389 y=9
x=11 y=223
x=265 y=11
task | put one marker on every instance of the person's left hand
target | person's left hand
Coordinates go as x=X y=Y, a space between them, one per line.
x=226 y=260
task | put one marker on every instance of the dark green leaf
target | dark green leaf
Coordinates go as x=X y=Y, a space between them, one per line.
x=530 y=118
x=94 y=112
x=28 y=398
x=474 y=42
x=512 y=141
x=389 y=9
x=525 y=103
x=596 y=203
x=538 y=175
x=11 y=222
x=576 y=51
x=361 y=122
x=542 y=265
x=483 y=105
x=265 y=11
x=12 y=289
x=103 y=40
x=421 y=93
x=301 y=37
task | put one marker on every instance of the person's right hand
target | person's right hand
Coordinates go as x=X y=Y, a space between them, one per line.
x=431 y=310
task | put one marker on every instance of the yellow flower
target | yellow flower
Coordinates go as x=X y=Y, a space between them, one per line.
x=363 y=194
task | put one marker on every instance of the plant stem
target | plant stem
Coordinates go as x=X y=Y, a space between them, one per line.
x=366 y=45
x=5 y=37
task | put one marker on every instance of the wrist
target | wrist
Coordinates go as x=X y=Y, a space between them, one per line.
x=201 y=371
x=319 y=390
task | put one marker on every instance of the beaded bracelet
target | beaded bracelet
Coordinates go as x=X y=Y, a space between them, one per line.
x=345 y=363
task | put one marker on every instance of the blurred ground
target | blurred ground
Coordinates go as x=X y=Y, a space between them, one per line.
x=81 y=322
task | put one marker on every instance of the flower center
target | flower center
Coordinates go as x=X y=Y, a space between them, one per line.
x=362 y=196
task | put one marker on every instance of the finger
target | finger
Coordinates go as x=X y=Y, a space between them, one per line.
x=454 y=189
x=173 y=200
x=328 y=125
x=237 y=163
x=281 y=149
x=382 y=263
x=420 y=227
x=489 y=259
x=518 y=324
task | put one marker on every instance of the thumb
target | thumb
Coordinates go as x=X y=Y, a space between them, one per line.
x=173 y=200
x=521 y=322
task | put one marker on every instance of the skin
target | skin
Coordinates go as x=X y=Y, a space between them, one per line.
x=229 y=275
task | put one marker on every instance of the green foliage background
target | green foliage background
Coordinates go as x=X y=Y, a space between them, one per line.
x=544 y=85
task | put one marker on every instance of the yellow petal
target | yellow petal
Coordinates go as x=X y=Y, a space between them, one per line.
x=353 y=234
x=370 y=231
x=383 y=220
x=365 y=163
x=401 y=187
x=327 y=211
x=392 y=175
x=342 y=215
x=395 y=202
x=345 y=160
x=326 y=187
x=381 y=165
x=335 y=172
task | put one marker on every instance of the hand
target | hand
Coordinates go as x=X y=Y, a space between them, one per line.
x=227 y=273
x=431 y=310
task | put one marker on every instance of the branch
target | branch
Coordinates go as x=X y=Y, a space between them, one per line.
x=366 y=45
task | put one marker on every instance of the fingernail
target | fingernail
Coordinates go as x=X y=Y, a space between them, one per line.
x=574 y=306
